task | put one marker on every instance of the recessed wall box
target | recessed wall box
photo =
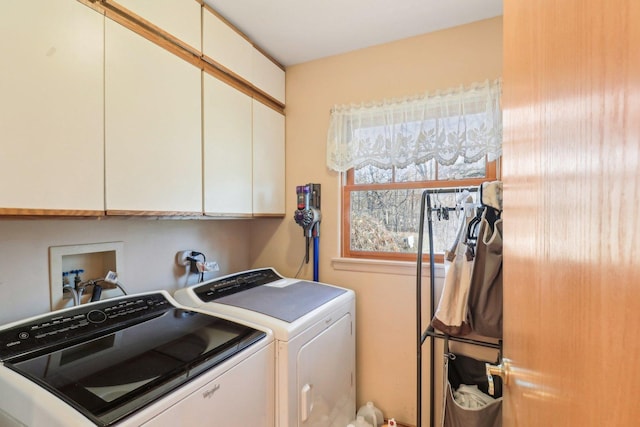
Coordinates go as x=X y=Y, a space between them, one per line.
x=96 y=259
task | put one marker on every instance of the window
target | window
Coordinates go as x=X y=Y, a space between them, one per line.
x=381 y=212
x=394 y=150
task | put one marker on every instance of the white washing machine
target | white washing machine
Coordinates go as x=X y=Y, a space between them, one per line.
x=314 y=328
x=138 y=360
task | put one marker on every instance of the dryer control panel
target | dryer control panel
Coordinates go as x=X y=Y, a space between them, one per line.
x=230 y=285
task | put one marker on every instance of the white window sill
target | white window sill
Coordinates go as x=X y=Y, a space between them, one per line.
x=405 y=268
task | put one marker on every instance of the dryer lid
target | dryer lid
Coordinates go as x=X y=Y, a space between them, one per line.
x=287 y=303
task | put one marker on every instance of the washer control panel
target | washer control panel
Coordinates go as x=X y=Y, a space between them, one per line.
x=67 y=325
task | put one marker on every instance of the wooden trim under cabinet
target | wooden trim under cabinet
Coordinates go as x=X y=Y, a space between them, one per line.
x=213 y=215
x=269 y=215
x=28 y=212
x=173 y=214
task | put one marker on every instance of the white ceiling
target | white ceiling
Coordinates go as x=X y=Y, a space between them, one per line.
x=296 y=31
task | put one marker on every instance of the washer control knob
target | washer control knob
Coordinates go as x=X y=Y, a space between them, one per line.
x=96 y=316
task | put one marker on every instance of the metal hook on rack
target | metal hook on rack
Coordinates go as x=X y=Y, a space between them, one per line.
x=437 y=206
x=458 y=207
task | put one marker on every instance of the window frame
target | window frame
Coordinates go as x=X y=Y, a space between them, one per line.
x=491 y=174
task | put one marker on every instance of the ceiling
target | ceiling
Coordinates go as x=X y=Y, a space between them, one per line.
x=296 y=31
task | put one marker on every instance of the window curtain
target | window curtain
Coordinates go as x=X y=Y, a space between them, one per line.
x=459 y=123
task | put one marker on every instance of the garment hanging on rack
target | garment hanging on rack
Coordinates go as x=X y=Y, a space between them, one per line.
x=452 y=312
x=485 y=293
x=491 y=194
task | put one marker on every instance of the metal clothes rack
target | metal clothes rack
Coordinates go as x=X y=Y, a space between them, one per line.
x=425 y=206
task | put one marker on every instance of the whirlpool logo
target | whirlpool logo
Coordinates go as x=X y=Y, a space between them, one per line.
x=209 y=393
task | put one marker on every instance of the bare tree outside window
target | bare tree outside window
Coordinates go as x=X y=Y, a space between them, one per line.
x=384 y=206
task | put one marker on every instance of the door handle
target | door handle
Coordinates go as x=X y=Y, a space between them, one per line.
x=501 y=370
x=306 y=402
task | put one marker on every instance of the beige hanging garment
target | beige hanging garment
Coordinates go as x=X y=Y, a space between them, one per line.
x=452 y=312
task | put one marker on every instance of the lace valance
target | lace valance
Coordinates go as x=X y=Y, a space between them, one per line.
x=464 y=122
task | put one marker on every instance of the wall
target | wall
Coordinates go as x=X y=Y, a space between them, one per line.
x=385 y=301
x=150 y=247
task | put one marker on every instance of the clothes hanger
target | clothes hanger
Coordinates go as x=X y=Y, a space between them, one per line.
x=473 y=226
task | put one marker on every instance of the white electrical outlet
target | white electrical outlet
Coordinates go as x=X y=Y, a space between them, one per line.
x=204 y=267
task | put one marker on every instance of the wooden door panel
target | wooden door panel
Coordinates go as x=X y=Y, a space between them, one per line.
x=571 y=196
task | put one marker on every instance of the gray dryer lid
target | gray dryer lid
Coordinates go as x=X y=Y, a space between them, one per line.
x=287 y=303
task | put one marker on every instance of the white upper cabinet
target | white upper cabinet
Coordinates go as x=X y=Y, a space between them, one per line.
x=226 y=46
x=268 y=161
x=267 y=76
x=51 y=106
x=227 y=149
x=180 y=18
x=94 y=117
x=152 y=126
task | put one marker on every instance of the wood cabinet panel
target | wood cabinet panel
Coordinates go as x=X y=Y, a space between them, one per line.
x=267 y=76
x=153 y=127
x=227 y=149
x=226 y=46
x=51 y=107
x=268 y=161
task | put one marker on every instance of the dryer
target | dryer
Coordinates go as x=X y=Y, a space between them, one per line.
x=139 y=360
x=314 y=329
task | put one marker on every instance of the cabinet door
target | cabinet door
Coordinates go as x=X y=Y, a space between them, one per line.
x=227 y=149
x=153 y=127
x=268 y=161
x=180 y=18
x=267 y=76
x=226 y=46
x=51 y=106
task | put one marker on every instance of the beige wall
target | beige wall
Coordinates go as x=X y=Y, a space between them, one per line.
x=385 y=302
x=150 y=247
